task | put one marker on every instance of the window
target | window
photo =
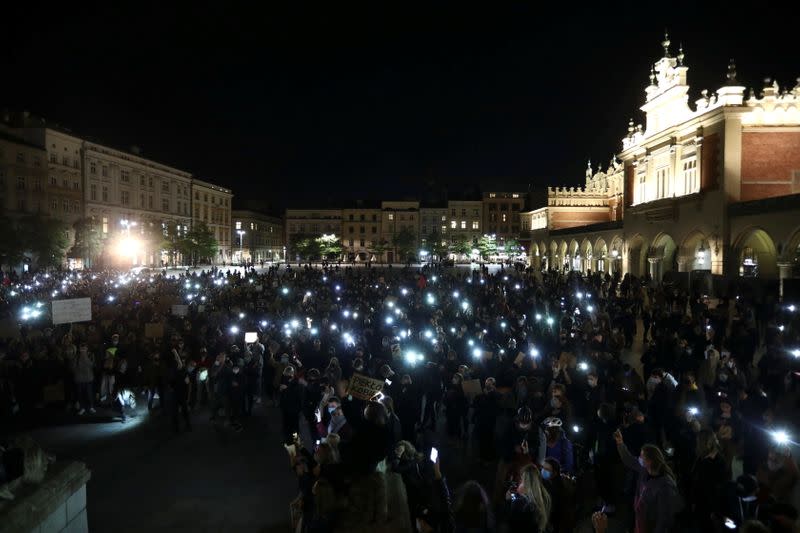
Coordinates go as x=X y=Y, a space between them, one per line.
x=150 y=181
x=463 y=224
x=475 y=213
x=76 y=207
x=492 y=207
x=37 y=185
x=361 y=229
x=65 y=206
x=350 y=217
x=374 y=230
x=105 y=224
x=362 y=218
x=453 y=212
x=424 y=230
x=492 y=217
x=53 y=158
x=391 y=216
x=361 y=243
x=515 y=195
x=65 y=183
x=504 y=206
x=662 y=182
x=642 y=186
x=475 y=224
x=21 y=204
x=196 y=196
x=463 y=212
x=125 y=176
x=65 y=161
x=444 y=228
x=75 y=164
x=141 y=200
x=20 y=183
x=93 y=192
x=92 y=167
x=150 y=202
x=125 y=197
x=53 y=205
x=165 y=204
x=504 y=217
x=252 y=226
x=37 y=162
x=453 y=224
x=53 y=181
x=515 y=207
x=165 y=188
x=374 y=218
x=239 y=224
x=104 y=171
x=690 y=182
x=105 y=193
x=75 y=185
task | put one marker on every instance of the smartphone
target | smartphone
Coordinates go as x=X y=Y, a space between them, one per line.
x=434 y=455
x=730 y=524
x=294 y=436
x=317 y=442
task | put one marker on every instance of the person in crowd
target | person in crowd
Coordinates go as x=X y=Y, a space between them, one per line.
x=708 y=478
x=558 y=445
x=472 y=509
x=292 y=395
x=83 y=371
x=455 y=403
x=529 y=502
x=657 y=501
x=486 y=409
x=408 y=403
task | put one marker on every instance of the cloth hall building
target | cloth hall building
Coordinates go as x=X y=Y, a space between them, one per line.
x=712 y=186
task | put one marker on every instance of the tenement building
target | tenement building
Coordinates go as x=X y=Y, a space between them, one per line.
x=710 y=187
x=211 y=205
x=257 y=237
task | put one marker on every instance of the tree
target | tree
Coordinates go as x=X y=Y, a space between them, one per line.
x=11 y=249
x=329 y=246
x=512 y=247
x=487 y=246
x=305 y=246
x=200 y=244
x=45 y=238
x=88 y=241
x=172 y=241
x=435 y=246
x=379 y=248
x=460 y=246
x=405 y=241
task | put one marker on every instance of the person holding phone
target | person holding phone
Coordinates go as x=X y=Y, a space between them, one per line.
x=656 y=501
x=529 y=503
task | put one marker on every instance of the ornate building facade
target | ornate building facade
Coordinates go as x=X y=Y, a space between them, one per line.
x=711 y=187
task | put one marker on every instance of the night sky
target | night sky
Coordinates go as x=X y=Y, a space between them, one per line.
x=322 y=106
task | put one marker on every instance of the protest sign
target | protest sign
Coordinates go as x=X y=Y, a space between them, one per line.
x=250 y=337
x=154 y=330
x=72 y=310
x=180 y=310
x=472 y=387
x=519 y=358
x=363 y=387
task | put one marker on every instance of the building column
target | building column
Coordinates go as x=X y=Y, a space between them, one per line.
x=784 y=271
x=654 y=268
x=684 y=264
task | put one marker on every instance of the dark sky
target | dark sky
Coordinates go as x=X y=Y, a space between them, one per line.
x=327 y=105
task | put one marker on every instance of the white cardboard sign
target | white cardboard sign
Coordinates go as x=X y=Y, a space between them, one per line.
x=72 y=310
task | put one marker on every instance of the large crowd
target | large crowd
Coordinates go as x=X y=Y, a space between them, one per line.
x=597 y=401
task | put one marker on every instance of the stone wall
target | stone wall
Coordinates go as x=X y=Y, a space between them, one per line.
x=57 y=505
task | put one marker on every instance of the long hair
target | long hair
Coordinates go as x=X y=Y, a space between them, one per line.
x=707 y=444
x=472 y=508
x=657 y=459
x=534 y=490
x=409 y=451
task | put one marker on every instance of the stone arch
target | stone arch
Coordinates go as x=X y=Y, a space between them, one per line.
x=587 y=256
x=661 y=256
x=637 y=256
x=574 y=255
x=695 y=252
x=615 y=254
x=535 y=256
x=791 y=252
x=563 y=255
x=601 y=259
x=755 y=254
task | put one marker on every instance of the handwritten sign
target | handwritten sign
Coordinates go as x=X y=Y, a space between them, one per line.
x=364 y=388
x=154 y=330
x=72 y=310
x=471 y=387
x=180 y=310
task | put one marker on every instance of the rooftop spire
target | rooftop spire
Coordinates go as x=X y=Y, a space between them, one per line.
x=652 y=74
x=665 y=44
x=680 y=55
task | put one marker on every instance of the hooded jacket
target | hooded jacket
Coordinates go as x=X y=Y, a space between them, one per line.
x=656 y=501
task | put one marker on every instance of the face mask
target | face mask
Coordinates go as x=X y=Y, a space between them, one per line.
x=641 y=462
x=546 y=474
x=554 y=403
x=331 y=410
x=653 y=382
x=592 y=383
x=236 y=370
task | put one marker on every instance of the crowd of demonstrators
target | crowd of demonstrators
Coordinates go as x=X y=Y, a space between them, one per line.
x=686 y=425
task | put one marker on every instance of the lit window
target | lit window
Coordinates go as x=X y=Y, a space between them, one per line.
x=475 y=224
x=463 y=224
x=504 y=217
x=391 y=216
x=444 y=228
x=105 y=224
x=238 y=224
x=453 y=224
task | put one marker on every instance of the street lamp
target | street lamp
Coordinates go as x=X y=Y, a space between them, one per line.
x=241 y=233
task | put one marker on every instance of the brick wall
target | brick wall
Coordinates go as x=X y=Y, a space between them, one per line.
x=770 y=160
x=709 y=168
x=565 y=218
